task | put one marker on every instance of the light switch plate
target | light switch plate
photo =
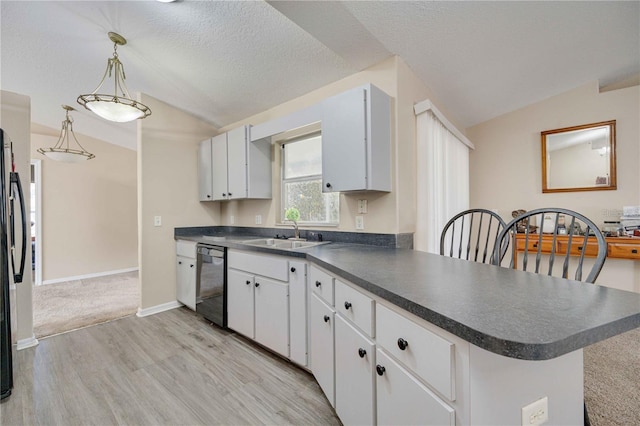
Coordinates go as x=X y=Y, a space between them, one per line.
x=258 y=219
x=359 y=222
x=157 y=221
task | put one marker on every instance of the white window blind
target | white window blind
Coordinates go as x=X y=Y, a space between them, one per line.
x=442 y=176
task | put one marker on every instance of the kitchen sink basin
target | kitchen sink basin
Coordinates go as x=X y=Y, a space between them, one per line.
x=282 y=244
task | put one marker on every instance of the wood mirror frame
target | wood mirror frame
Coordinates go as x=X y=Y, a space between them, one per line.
x=580 y=159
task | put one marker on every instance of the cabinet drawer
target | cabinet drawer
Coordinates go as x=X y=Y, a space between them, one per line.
x=577 y=245
x=533 y=243
x=403 y=400
x=354 y=306
x=428 y=355
x=624 y=251
x=186 y=248
x=322 y=284
x=275 y=267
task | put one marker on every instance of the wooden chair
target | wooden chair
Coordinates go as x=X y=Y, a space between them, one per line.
x=471 y=235
x=580 y=235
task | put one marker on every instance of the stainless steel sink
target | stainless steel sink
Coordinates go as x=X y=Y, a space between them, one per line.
x=282 y=244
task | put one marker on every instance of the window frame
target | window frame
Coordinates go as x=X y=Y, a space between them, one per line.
x=306 y=178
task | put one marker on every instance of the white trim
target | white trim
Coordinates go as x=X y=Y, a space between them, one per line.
x=84 y=277
x=37 y=171
x=158 y=308
x=27 y=343
x=427 y=105
x=300 y=118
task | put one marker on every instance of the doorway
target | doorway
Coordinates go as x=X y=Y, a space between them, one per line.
x=36 y=220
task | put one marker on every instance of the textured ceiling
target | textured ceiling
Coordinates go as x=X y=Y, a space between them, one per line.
x=224 y=61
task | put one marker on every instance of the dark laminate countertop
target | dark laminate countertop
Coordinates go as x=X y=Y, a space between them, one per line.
x=512 y=313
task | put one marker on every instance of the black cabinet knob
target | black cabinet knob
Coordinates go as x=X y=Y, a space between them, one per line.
x=191 y=266
x=179 y=263
x=293 y=269
x=257 y=284
x=248 y=282
x=402 y=344
x=362 y=352
x=230 y=194
x=328 y=185
x=380 y=370
x=318 y=283
x=347 y=305
x=326 y=318
x=224 y=194
x=208 y=196
x=634 y=251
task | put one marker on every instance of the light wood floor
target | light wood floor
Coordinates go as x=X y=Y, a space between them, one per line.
x=171 y=368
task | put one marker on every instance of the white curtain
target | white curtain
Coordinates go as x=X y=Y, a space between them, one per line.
x=442 y=180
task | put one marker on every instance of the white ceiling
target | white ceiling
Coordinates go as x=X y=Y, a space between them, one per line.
x=225 y=61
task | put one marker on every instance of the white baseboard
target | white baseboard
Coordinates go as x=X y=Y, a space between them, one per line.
x=27 y=343
x=87 y=276
x=158 y=308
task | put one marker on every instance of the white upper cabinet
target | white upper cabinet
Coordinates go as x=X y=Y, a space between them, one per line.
x=356 y=141
x=205 y=171
x=238 y=167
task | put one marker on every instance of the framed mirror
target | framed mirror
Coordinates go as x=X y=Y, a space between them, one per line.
x=579 y=158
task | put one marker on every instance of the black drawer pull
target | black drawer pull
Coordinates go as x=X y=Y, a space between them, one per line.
x=362 y=352
x=347 y=305
x=579 y=248
x=224 y=195
x=402 y=344
x=257 y=284
x=230 y=194
x=318 y=283
x=293 y=269
x=634 y=251
x=191 y=266
x=380 y=370
x=328 y=185
x=248 y=282
x=179 y=263
x=326 y=318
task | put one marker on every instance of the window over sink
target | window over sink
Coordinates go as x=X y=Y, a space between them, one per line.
x=302 y=182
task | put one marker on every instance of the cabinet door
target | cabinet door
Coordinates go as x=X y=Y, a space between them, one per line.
x=298 y=312
x=186 y=281
x=219 y=167
x=240 y=302
x=272 y=314
x=237 y=163
x=403 y=400
x=355 y=380
x=322 y=355
x=344 y=153
x=205 y=171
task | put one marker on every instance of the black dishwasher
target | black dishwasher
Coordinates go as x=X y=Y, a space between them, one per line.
x=211 y=284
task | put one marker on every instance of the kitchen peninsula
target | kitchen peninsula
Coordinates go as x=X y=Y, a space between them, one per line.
x=504 y=338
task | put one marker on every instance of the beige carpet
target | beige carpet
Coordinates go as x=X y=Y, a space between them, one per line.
x=75 y=304
x=612 y=380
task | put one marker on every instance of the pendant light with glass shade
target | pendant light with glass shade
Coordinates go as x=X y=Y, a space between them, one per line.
x=63 y=151
x=117 y=107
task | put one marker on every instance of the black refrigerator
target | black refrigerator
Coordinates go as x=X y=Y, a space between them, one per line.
x=11 y=198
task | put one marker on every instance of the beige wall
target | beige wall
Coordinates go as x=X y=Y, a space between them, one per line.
x=89 y=209
x=387 y=212
x=168 y=187
x=505 y=168
x=15 y=119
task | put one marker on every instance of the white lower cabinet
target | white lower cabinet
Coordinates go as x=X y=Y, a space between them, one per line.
x=272 y=314
x=240 y=302
x=403 y=400
x=186 y=273
x=354 y=375
x=321 y=319
x=257 y=306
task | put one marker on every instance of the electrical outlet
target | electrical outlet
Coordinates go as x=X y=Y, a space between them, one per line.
x=362 y=206
x=232 y=220
x=359 y=222
x=536 y=413
x=157 y=221
x=258 y=219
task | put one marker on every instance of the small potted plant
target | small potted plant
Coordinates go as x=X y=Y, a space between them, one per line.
x=293 y=214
